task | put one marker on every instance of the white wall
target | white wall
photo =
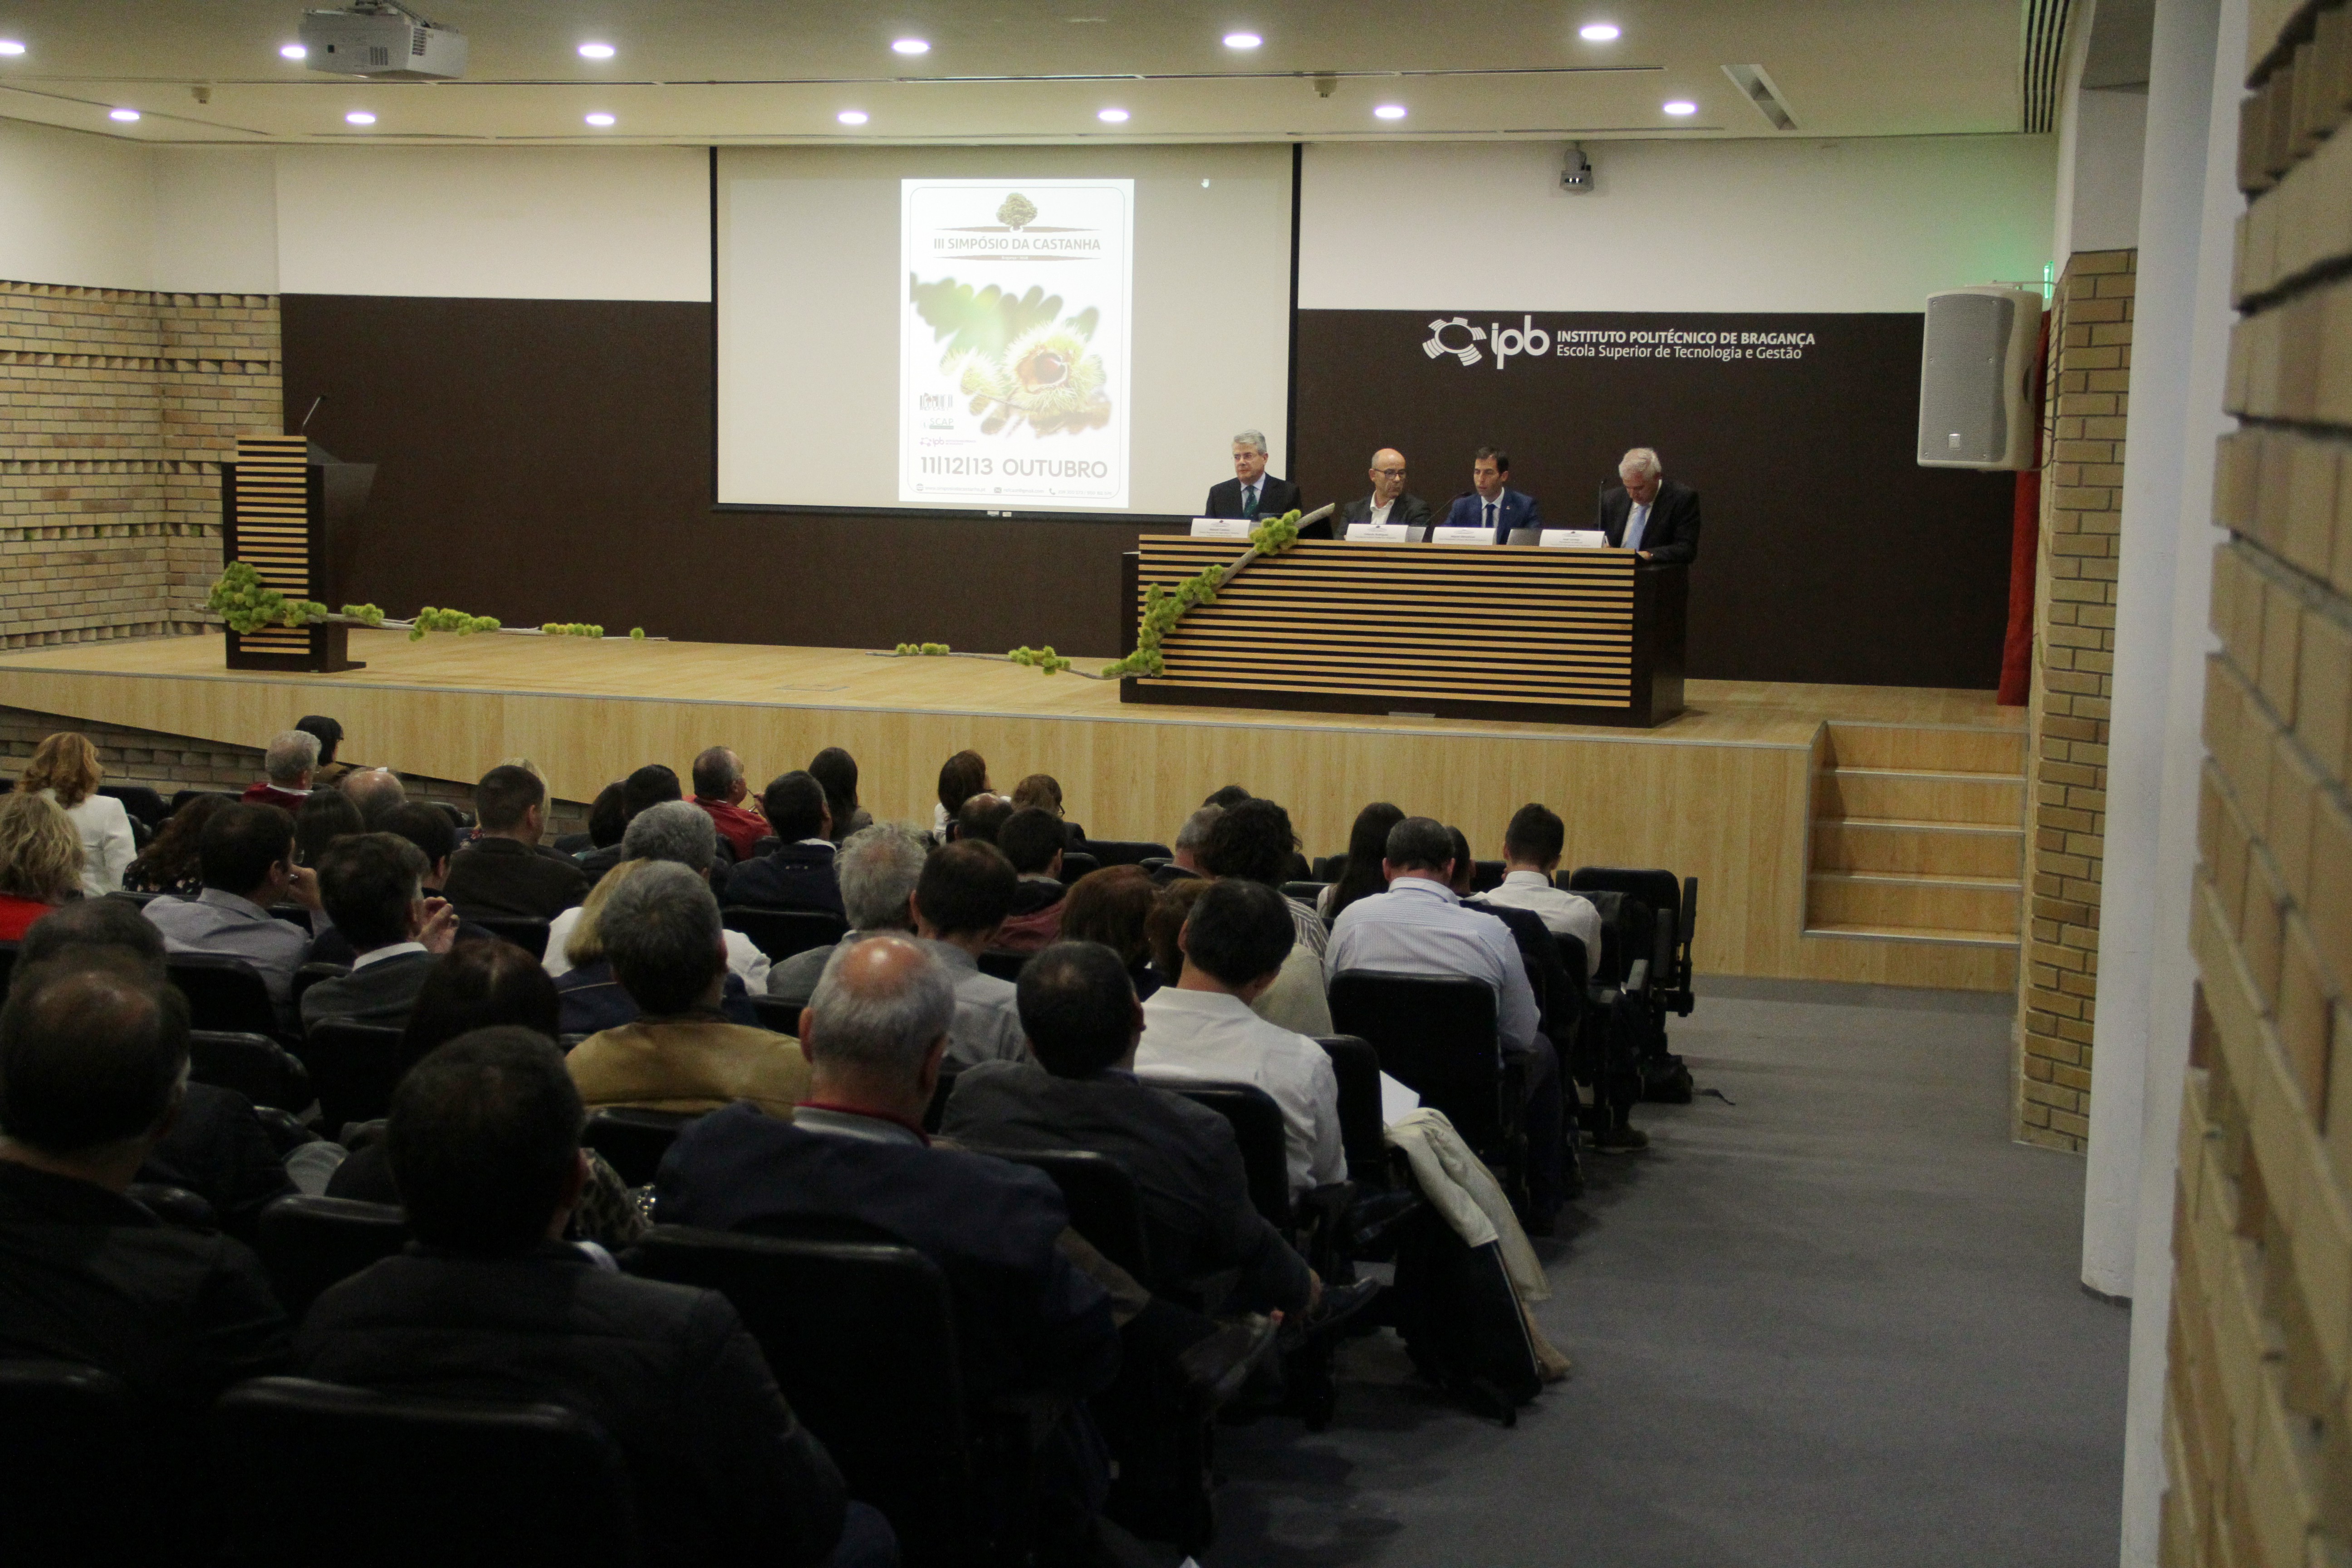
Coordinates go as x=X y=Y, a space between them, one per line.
x=215 y=220
x=1764 y=225
x=75 y=208
x=2111 y=127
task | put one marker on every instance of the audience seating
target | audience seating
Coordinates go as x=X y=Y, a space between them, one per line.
x=1076 y=863
x=312 y=1472
x=632 y=1140
x=310 y=1243
x=776 y=1012
x=529 y=934
x=181 y=797
x=1439 y=1037
x=1257 y=1128
x=175 y=1206
x=224 y=994
x=937 y=1111
x=459 y=818
x=70 y=1436
x=256 y=1066
x=140 y=801
x=781 y=933
x=1003 y=965
x=1304 y=892
x=353 y=1068
x=309 y=974
x=1676 y=904
x=1123 y=851
x=1105 y=1207
x=1362 y=1128
x=1486 y=875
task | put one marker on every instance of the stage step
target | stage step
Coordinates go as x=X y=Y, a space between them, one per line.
x=1919 y=849
x=1992 y=800
x=1952 y=749
x=1913 y=933
x=1883 y=900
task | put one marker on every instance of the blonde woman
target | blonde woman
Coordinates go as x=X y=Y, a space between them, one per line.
x=65 y=769
x=40 y=861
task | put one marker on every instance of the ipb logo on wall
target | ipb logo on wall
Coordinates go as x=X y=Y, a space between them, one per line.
x=1457 y=336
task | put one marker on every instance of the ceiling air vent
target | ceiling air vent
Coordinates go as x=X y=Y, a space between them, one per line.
x=1762 y=92
x=2044 y=59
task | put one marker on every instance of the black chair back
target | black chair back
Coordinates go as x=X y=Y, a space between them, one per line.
x=140 y=801
x=70 y=1433
x=225 y=994
x=1327 y=868
x=386 y=1480
x=1257 y=1128
x=1076 y=863
x=7 y=964
x=529 y=934
x=308 y=1244
x=632 y=1141
x=861 y=1336
x=1125 y=851
x=941 y=1092
x=1105 y=1205
x=1669 y=952
x=256 y=1066
x=181 y=797
x=353 y=1068
x=1486 y=875
x=1439 y=1037
x=776 y=1012
x=1361 y=1125
x=309 y=974
x=1304 y=892
x=1003 y=965
x=781 y=933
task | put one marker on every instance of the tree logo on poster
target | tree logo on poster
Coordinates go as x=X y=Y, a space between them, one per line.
x=1467 y=351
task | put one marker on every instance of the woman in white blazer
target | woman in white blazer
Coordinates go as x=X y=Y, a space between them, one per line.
x=64 y=768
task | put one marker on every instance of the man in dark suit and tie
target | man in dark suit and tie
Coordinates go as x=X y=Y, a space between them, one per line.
x=1650 y=514
x=371 y=885
x=1252 y=492
x=1388 y=503
x=1492 y=503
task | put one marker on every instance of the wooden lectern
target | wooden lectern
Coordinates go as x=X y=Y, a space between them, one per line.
x=284 y=503
x=1562 y=636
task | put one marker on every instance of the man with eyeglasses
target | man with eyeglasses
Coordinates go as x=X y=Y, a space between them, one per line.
x=1389 y=502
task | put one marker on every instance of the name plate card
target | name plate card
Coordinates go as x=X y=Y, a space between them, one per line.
x=1574 y=539
x=1222 y=528
x=1461 y=536
x=1376 y=533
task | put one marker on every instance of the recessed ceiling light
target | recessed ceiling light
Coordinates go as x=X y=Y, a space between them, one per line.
x=359 y=116
x=597 y=51
x=292 y=52
x=1111 y=116
x=1243 y=40
x=124 y=115
x=911 y=46
x=850 y=117
x=1679 y=106
x=1598 y=32
x=11 y=47
x=599 y=120
x=1389 y=111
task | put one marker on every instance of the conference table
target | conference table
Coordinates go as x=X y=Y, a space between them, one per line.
x=1523 y=632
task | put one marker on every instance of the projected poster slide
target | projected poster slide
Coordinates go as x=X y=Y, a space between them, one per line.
x=1014 y=363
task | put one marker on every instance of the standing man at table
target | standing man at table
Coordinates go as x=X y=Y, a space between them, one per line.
x=1649 y=513
x=1252 y=492
x=1388 y=503
x=1492 y=504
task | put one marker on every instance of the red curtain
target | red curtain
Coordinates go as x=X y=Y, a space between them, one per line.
x=2024 y=545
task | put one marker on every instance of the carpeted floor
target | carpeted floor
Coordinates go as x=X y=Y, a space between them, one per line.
x=1835 y=1321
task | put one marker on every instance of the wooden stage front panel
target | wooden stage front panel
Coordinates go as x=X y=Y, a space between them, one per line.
x=1721 y=792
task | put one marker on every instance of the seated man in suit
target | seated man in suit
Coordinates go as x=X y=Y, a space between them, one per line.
x=878 y=868
x=247 y=855
x=429 y=828
x=797 y=872
x=506 y=870
x=484 y=1142
x=720 y=789
x=289 y=763
x=1492 y=504
x=371 y=885
x=1388 y=503
x=1031 y=838
x=1653 y=516
x=961 y=898
x=1252 y=492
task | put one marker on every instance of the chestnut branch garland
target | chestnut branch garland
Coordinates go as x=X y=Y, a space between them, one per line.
x=246 y=604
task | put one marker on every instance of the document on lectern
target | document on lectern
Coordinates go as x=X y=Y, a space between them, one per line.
x=1461 y=536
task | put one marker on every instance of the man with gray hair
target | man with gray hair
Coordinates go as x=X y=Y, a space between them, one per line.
x=1653 y=516
x=1191 y=840
x=375 y=791
x=1252 y=492
x=292 y=758
x=661 y=930
x=878 y=867
x=681 y=833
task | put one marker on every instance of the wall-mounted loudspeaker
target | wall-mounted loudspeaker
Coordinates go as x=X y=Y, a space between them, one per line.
x=1977 y=375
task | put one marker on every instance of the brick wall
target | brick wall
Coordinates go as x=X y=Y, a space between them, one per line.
x=116 y=410
x=2258 y=1400
x=2073 y=683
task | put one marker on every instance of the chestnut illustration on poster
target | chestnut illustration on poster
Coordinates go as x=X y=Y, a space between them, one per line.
x=1017 y=358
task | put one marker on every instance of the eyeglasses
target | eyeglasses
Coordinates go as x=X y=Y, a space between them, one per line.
x=1390 y=473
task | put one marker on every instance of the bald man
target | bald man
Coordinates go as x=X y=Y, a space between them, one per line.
x=1389 y=502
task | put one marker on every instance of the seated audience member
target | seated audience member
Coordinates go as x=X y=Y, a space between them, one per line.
x=608 y=816
x=1044 y=791
x=1200 y=1029
x=328 y=814
x=289 y=763
x=682 y=834
x=247 y=854
x=372 y=887
x=40 y=861
x=963 y=896
x=216 y=1147
x=593 y=997
x=1082 y=1022
x=798 y=873
x=1191 y=840
x=435 y=837
x=1532 y=850
x=877 y=1032
x=91 y=1064
x=1228 y=797
x=961 y=776
x=505 y=871
x=66 y=770
x=1031 y=838
x=375 y=790
x=1556 y=993
x=326 y=772
x=837 y=770
x=1113 y=907
x=981 y=818
x=1254 y=841
x=661 y=930
x=1361 y=872
x=170 y=863
x=878 y=868
x=484 y=1143
x=1297 y=999
x=720 y=790
x=653 y=784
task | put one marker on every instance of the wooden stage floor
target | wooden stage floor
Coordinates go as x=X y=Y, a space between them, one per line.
x=1722 y=792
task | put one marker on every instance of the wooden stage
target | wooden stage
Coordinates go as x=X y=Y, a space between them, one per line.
x=1728 y=792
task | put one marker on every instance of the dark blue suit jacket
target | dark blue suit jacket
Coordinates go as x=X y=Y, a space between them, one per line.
x=1517 y=508
x=789 y=876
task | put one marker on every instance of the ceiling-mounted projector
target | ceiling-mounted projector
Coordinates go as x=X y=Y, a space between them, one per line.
x=379 y=38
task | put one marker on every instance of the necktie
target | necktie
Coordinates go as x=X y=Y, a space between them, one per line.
x=1249 y=500
x=1490 y=517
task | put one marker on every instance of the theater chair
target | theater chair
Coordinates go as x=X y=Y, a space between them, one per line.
x=354 y=1069
x=529 y=934
x=82 y=1480
x=7 y=964
x=632 y=1140
x=309 y=974
x=308 y=1244
x=1439 y=1037
x=775 y=1012
x=781 y=933
x=1658 y=917
x=313 y=1472
x=1125 y=851
x=1076 y=863
x=224 y=994
x=1006 y=966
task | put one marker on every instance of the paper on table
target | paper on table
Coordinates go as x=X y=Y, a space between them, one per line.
x=1397 y=1102
x=1460 y=536
x=1376 y=533
x=1574 y=539
x=1221 y=528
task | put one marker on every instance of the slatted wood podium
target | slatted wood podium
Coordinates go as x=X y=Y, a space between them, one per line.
x=282 y=502
x=1566 y=636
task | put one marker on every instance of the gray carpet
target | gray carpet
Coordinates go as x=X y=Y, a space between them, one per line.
x=1836 y=1322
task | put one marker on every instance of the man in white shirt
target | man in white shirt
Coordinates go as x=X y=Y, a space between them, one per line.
x=1531 y=851
x=1388 y=503
x=961 y=899
x=1202 y=1030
